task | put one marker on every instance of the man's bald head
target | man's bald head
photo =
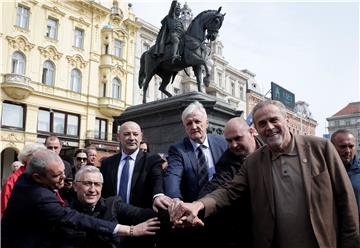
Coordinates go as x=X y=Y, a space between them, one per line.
x=130 y=136
x=240 y=137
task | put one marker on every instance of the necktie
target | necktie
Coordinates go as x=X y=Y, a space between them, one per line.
x=203 y=173
x=124 y=179
x=59 y=197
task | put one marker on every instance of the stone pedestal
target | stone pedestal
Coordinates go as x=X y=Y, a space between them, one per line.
x=161 y=120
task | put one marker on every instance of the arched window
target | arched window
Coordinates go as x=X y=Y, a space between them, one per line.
x=18 y=63
x=48 y=74
x=75 y=80
x=116 y=88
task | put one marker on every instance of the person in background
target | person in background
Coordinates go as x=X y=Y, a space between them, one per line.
x=87 y=185
x=53 y=143
x=144 y=146
x=344 y=142
x=35 y=210
x=91 y=156
x=16 y=165
x=24 y=158
x=300 y=193
x=80 y=160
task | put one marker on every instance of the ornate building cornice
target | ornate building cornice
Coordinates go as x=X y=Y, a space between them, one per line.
x=77 y=61
x=20 y=42
x=50 y=52
x=53 y=9
x=79 y=20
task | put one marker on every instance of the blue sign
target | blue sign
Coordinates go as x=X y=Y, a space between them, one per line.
x=282 y=95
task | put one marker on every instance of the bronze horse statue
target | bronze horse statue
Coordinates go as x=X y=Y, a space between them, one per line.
x=193 y=50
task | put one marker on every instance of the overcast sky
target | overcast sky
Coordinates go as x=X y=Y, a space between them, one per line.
x=310 y=48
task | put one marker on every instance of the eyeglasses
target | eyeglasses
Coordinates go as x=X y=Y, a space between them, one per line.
x=90 y=183
x=81 y=159
x=52 y=147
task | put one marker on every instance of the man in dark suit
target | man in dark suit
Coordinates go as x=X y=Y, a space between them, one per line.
x=144 y=174
x=241 y=142
x=142 y=185
x=183 y=175
x=35 y=211
x=300 y=194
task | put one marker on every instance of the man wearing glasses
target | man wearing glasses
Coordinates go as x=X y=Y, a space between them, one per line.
x=87 y=185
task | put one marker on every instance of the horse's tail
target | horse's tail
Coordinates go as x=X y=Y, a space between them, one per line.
x=142 y=70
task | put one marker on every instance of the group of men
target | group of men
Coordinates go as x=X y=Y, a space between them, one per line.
x=281 y=189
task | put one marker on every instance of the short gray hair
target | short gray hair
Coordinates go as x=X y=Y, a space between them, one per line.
x=29 y=150
x=40 y=161
x=340 y=131
x=192 y=108
x=278 y=104
x=87 y=169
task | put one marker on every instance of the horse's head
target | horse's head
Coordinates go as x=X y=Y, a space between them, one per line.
x=213 y=24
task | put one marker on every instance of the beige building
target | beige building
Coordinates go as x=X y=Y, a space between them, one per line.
x=66 y=68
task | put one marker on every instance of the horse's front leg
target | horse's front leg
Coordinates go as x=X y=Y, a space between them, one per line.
x=207 y=65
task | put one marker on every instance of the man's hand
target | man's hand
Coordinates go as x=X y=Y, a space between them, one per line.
x=161 y=201
x=146 y=228
x=185 y=214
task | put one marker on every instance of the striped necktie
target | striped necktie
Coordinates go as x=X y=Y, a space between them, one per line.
x=203 y=168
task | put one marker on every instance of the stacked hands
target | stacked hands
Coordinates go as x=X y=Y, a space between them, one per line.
x=185 y=214
x=181 y=214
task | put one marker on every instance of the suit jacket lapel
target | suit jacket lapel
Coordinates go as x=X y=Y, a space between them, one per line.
x=138 y=167
x=305 y=165
x=268 y=179
x=189 y=149
x=114 y=172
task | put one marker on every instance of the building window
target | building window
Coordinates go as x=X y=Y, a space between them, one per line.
x=52 y=28
x=12 y=116
x=18 y=63
x=52 y=121
x=72 y=127
x=116 y=88
x=59 y=122
x=117 y=48
x=100 y=129
x=232 y=88
x=48 y=74
x=75 y=84
x=43 y=121
x=220 y=79
x=22 y=17
x=241 y=93
x=79 y=38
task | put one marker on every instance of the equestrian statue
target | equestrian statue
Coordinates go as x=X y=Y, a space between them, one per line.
x=176 y=48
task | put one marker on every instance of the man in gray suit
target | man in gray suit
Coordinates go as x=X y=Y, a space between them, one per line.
x=300 y=194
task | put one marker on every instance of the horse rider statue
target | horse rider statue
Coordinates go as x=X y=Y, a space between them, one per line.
x=171 y=31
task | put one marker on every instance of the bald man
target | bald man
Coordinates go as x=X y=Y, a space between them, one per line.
x=132 y=174
x=241 y=142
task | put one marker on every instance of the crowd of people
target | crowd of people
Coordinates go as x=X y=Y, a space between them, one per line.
x=260 y=186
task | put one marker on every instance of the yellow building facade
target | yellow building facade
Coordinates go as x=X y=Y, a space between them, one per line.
x=67 y=67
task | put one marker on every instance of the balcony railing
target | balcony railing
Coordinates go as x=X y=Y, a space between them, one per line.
x=17 y=86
